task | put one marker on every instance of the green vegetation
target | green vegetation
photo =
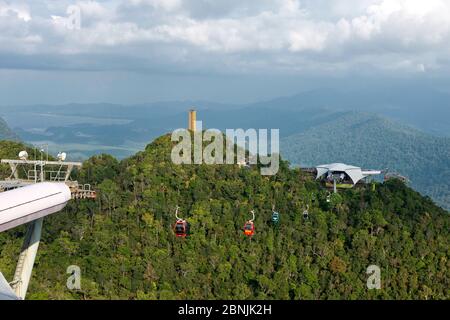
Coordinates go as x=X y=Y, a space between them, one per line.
x=126 y=249
x=374 y=142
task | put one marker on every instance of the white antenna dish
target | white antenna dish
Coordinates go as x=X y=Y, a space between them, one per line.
x=23 y=155
x=62 y=156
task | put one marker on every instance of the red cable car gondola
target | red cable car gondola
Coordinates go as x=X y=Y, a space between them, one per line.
x=249 y=227
x=181 y=227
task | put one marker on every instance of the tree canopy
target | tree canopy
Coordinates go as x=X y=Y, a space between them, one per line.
x=126 y=249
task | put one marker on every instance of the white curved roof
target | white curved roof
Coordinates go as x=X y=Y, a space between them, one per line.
x=355 y=173
x=22 y=205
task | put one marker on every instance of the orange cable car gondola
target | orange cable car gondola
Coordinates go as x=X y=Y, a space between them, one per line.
x=249 y=227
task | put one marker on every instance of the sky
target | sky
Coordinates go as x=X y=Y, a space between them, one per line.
x=137 y=51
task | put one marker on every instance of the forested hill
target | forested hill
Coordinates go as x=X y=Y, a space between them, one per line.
x=5 y=132
x=375 y=142
x=125 y=246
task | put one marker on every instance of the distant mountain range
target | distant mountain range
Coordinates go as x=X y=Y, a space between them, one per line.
x=405 y=130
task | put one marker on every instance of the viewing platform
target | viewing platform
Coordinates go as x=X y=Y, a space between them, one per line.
x=25 y=172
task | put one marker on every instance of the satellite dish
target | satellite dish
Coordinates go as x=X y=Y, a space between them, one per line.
x=62 y=156
x=23 y=155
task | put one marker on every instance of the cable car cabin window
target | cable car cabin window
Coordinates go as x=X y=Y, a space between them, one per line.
x=179 y=228
x=248 y=226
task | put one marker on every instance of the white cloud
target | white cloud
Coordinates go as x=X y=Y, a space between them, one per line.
x=18 y=10
x=242 y=35
x=168 y=5
x=409 y=22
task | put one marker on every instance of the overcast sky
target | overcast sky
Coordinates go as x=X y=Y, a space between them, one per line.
x=225 y=50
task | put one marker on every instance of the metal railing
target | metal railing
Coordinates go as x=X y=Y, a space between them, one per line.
x=48 y=175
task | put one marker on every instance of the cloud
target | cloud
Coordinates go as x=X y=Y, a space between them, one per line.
x=235 y=36
x=167 y=5
x=19 y=11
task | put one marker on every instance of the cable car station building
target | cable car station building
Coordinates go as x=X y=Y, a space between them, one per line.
x=344 y=176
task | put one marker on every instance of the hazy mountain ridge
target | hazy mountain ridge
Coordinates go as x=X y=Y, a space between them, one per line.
x=422 y=107
x=6 y=133
x=375 y=142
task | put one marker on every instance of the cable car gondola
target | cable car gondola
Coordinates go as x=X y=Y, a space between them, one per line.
x=306 y=213
x=181 y=227
x=275 y=216
x=249 y=227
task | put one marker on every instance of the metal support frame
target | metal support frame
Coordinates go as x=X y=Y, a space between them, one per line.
x=13 y=167
x=27 y=256
x=334 y=185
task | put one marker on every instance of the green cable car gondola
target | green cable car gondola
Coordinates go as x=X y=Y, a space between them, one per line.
x=275 y=216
